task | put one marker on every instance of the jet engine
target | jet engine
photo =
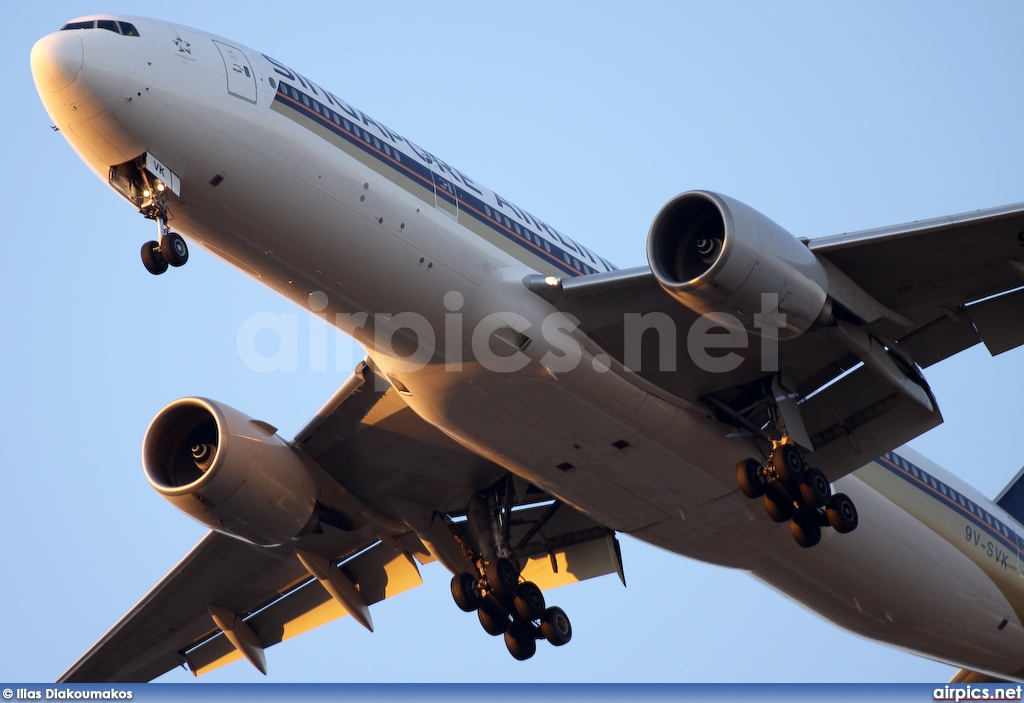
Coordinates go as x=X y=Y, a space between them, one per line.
x=716 y=255
x=229 y=472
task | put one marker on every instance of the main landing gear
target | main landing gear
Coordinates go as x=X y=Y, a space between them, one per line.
x=511 y=608
x=505 y=603
x=170 y=249
x=791 y=490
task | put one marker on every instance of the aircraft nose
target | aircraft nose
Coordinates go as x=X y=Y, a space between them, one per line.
x=57 y=60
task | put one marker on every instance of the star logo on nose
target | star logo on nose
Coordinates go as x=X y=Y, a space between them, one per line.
x=183 y=46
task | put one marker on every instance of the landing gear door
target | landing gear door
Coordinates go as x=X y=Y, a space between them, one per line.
x=241 y=77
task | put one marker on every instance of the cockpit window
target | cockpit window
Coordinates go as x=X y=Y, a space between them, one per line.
x=126 y=28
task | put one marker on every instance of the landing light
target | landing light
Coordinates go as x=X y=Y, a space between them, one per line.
x=146 y=193
x=160 y=187
x=551 y=280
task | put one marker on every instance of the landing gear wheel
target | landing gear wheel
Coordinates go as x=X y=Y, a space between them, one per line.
x=521 y=640
x=814 y=489
x=492 y=619
x=748 y=476
x=174 y=249
x=466 y=592
x=779 y=511
x=804 y=531
x=841 y=513
x=503 y=577
x=152 y=259
x=789 y=464
x=555 y=626
x=529 y=601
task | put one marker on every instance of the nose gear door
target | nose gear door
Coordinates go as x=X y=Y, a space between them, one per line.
x=241 y=77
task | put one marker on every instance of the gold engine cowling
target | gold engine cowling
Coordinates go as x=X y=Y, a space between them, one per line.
x=716 y=255
x=228 y=471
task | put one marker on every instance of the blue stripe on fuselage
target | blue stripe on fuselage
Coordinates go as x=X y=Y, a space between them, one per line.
x=950 y=497
x=356 y=134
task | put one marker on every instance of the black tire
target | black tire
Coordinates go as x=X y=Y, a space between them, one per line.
x=529 y=601
x=493 y=620
x=466 y=591
x=815 y=489
x=521 y=640
x=152 y=259
x=842 y=513
x=778 y=510
x=503 y=578
x=555 y=626
x=804 y=531
x=789 y=464
x=748 y=476
x=174 y=249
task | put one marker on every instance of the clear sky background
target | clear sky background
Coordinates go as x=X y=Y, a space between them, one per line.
x=828 y=117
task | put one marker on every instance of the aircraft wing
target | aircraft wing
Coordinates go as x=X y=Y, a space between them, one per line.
x=930 y=290
x=942 y=275
x=229 y=599
x=966 y=676
x=174 y=625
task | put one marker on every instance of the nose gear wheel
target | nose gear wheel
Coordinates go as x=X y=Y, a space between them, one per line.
x=170 y=248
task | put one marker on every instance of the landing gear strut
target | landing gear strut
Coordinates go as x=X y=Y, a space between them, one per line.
x=791 y=490
x=504 y=603
x=170 y=248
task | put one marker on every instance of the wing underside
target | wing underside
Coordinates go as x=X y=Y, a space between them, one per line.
x=229 y=599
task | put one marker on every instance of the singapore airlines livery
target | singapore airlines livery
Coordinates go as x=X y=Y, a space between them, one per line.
x=744 y=399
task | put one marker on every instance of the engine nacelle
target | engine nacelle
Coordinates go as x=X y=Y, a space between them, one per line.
x=228 y=471
x=716 y=255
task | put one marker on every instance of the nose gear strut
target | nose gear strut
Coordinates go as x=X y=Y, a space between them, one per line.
x=169 y=249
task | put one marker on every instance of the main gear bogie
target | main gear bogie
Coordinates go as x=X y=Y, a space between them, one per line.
x=791 y=490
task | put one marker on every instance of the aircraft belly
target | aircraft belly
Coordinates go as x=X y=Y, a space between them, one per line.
x=886 y=580
x=590 y=437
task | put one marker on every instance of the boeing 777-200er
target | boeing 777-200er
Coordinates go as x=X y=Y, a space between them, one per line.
x=742 y=400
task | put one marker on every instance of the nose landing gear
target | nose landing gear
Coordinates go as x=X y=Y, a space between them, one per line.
x=791 y=490
x=170 y=248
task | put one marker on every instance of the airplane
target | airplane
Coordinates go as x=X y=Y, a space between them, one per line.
x=596 y=431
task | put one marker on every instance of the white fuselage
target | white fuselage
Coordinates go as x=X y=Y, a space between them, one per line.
x=424 y=267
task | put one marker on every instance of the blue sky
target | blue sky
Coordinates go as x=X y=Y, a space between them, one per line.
x=828 y=117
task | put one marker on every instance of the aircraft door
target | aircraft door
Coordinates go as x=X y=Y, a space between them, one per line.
x=446 y=198
x=241 y=77
x=1020 y=548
